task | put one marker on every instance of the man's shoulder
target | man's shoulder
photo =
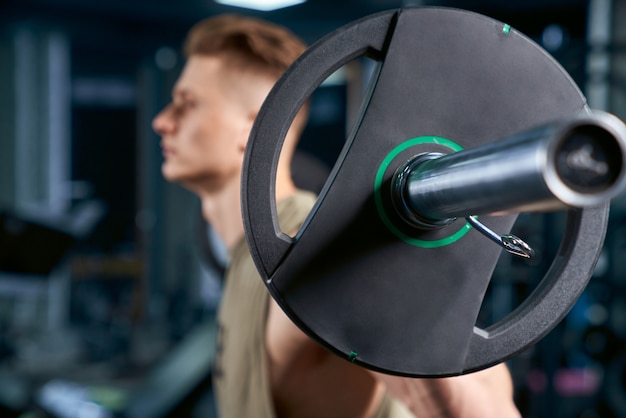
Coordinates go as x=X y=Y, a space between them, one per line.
x=300 y=199
x=293 y=209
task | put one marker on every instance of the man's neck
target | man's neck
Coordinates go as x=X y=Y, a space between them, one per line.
x=223 y=209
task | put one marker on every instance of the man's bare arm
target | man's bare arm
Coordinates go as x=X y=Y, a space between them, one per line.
x=307 y=380
x=484 y=394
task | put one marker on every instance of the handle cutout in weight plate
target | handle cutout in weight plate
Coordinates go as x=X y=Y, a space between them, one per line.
x=363 y=37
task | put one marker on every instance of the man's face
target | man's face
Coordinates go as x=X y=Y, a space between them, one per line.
x=205 y=129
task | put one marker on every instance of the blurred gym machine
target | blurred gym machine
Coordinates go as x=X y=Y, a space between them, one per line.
x=34 y=246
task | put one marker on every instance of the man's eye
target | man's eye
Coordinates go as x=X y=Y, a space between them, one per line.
x=181 y=107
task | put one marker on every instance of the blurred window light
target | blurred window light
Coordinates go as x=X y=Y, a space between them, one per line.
x=263 y=5
x=166 y=58
x=108 y=92
x=554 y=37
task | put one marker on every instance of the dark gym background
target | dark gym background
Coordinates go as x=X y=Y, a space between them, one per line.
x=109 y=279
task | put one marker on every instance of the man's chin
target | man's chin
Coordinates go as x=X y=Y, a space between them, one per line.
x=183 y=179
x=170 y=175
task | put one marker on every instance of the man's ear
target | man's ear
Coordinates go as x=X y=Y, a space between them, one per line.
x=243 y=141
x=246 y=128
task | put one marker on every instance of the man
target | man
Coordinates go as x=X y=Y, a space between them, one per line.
x=266 y=367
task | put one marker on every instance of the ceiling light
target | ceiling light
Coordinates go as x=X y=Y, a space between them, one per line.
x=263 y=5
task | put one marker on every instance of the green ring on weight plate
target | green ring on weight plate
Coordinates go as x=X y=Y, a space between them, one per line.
x=379 y=200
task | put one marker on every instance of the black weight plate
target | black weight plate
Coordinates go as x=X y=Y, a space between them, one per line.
x=379 y=294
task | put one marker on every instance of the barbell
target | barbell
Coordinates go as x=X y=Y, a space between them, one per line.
x=466 y=123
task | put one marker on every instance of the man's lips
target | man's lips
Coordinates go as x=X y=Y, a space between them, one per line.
x=167 y=150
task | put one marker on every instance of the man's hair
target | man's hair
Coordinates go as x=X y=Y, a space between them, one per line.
x=254 y=43
x=250 y=44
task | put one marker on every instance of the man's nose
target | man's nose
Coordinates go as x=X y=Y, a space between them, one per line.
x=163 y=122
